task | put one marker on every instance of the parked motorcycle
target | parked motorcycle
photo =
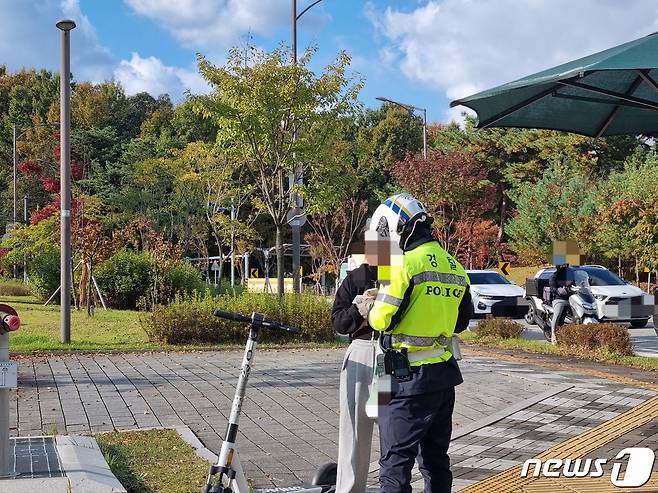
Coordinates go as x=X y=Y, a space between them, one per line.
x=581 y=307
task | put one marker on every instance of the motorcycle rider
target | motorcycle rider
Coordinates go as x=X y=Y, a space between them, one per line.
x=559 y=295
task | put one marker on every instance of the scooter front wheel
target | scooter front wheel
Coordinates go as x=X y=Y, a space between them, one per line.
x=326 y=475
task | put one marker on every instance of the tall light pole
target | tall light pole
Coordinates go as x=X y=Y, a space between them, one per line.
x=25 y=254
x=410 y=108
x=65 y=26
x=297 y=177
x=14 y=185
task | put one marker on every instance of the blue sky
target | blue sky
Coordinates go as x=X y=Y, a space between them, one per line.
x=422 y=52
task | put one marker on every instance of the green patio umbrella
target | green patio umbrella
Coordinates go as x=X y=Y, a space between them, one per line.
x=608 y=93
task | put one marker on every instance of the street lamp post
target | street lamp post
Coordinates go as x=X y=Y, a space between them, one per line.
x=25 y=254
x=297 y=177
x=14 y=184
x=65 y=26
x=410 y=108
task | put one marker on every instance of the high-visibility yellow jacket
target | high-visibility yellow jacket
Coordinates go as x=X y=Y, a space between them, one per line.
x=421 y=303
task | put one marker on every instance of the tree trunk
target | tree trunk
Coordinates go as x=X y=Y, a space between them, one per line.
x=637 y=273
x=84 y=282
x=90 y=304
x=219 y=274
x=279 y=261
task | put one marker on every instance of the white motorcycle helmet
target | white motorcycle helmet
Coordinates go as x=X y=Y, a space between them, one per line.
x=391 y=218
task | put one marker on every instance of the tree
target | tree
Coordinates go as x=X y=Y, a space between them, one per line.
x=219 y=186
x=384 y=137
x=276 y=117
x=562 y=205
x=332 y=234
x=626 y=215
x=455 y=189
x=515 y=158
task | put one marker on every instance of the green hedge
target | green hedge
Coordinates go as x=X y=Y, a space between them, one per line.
x=13 y=287
x=183 y=279
x=124 y=278
x=613 y=338
x=44 y=274
x=192 y=321
x=504 y=328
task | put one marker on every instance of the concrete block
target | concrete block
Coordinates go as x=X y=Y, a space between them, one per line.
x=85 y=465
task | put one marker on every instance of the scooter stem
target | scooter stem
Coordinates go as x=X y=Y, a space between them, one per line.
x=228 y=450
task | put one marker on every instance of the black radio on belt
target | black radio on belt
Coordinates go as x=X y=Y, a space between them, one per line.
x=395 y=363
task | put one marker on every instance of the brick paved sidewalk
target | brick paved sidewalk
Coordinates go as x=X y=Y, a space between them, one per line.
x=505 y=412
x=584 y=403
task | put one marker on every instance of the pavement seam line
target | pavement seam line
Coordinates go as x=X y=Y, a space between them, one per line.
x=510 y=480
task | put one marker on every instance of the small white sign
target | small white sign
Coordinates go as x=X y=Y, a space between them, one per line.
x=8 y=375
x=215 y=266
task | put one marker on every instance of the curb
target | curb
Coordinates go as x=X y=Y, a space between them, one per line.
x=85 y=466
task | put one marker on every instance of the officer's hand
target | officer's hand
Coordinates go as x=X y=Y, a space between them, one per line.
x=364 y=307
x=562 y=291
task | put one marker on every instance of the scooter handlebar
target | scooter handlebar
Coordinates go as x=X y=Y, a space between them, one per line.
x=256 y=319
x=236 y=317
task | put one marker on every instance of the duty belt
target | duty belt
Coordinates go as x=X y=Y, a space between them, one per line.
x=420 y=341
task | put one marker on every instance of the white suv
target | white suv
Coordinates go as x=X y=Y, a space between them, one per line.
x=616 y=300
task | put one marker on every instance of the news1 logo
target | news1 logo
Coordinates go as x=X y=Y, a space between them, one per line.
x=638 y=467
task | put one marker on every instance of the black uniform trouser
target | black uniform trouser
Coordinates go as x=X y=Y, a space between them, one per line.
x=409 y=425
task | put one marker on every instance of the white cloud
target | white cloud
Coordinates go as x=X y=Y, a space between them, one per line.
x=213 y=24
x=463 y=46
x=29 y=38
x=151 y=75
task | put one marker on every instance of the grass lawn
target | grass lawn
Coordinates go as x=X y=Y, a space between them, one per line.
x=106 y=330
x=153 y=461
x=518 y=275
x=111 y=329
x=642 y=362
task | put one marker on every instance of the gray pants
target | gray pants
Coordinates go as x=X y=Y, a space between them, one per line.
x=558 y=309
x=355 y=428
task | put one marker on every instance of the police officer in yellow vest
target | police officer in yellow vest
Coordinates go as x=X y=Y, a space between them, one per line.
x=425 y=301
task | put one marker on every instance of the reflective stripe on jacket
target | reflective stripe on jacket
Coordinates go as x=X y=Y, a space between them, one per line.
x=420 y=305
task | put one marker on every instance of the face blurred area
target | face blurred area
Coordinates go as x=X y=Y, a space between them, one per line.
x=378 y=252
x=382 y=251
x=567 y=252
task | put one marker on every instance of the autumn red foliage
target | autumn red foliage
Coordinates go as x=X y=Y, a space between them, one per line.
x=50 y=184
x=30 y=167
x=455 y=190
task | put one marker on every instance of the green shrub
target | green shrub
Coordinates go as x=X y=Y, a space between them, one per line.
x=503 y=328
x=13 y=287
x=124 y=278
x=182 y=279
x=612 y=338
x=192 y=320
x=44 y=274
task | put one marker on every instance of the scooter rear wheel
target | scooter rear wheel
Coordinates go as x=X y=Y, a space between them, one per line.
x=326 y=475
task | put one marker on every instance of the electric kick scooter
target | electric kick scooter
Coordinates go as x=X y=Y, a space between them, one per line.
x=230 y=476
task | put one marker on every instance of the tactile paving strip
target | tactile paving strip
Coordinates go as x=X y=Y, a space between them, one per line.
x=35 y=458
